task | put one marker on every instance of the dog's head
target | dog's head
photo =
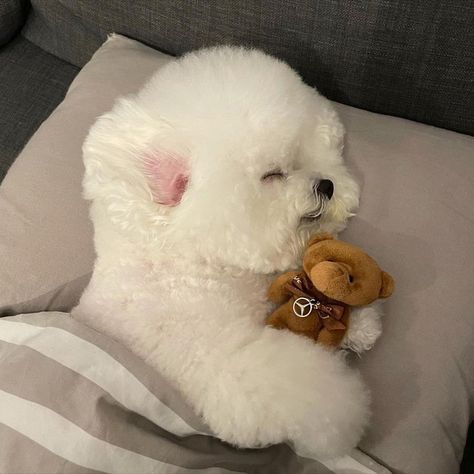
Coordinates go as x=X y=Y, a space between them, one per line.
x=225 y=154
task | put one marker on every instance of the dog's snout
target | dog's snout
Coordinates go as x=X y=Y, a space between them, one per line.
x=324 y=187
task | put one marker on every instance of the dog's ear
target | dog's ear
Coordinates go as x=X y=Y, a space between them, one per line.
x=167 y=174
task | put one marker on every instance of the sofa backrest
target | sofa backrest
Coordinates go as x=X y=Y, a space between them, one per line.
x=409 y=58
x=12 y=16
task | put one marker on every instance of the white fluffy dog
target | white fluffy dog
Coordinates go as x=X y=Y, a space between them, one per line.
x=202 y=186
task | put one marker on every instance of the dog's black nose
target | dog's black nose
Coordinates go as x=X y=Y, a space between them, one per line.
x=325 y=187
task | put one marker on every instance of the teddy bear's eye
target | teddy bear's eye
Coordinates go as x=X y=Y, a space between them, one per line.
x=351 y=279
x=273 y=174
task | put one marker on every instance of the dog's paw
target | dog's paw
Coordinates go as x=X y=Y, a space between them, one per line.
x=283 y=387
x=365 y=327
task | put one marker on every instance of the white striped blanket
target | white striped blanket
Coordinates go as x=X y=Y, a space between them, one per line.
x=74 y=401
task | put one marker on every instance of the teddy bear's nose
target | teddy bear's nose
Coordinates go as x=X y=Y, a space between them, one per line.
x=324 y=187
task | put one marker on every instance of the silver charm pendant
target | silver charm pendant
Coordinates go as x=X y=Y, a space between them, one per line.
x=302 y=307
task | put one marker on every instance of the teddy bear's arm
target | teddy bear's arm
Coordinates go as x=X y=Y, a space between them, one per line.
x=278 y=318
x=277 y=292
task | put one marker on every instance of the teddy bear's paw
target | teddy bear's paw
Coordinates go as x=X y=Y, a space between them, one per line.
x=365 y=328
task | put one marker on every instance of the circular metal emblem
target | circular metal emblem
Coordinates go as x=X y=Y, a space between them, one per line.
x=302 y=307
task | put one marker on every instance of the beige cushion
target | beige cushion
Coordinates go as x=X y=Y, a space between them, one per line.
x=416 y=218
x=46 y=249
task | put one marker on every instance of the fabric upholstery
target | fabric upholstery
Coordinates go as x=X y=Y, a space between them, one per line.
x=467 y=465
x=416 y=219
x=32 y=83
x=403 y=58
x=12 y=15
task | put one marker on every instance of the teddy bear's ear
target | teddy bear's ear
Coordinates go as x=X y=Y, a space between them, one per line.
x=319 y=238
x=388 y=285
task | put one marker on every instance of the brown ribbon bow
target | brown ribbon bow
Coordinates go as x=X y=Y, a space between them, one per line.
x=329 y=311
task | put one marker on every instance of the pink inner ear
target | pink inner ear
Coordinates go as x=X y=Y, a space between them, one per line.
x=167 y=175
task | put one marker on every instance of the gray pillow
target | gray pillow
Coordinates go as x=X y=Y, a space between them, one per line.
x=46 y=248
x=416 y=219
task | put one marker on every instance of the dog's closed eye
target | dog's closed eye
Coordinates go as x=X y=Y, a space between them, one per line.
x=273 y=174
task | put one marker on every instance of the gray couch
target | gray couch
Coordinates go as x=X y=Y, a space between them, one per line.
x=412 y=59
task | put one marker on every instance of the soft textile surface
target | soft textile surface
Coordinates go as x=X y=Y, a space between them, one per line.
x=12 y=15
x=46 y=251
x=83 y=403
x=416 y=219
x=405 y=58
x=32 y=83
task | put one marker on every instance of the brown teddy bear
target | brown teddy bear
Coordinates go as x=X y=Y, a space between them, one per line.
x=316 y=302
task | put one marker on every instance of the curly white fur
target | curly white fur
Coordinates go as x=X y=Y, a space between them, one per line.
x=184 y=286
x=364 y=329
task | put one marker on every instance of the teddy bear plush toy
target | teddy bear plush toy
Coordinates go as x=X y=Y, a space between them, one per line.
x=317 y=301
